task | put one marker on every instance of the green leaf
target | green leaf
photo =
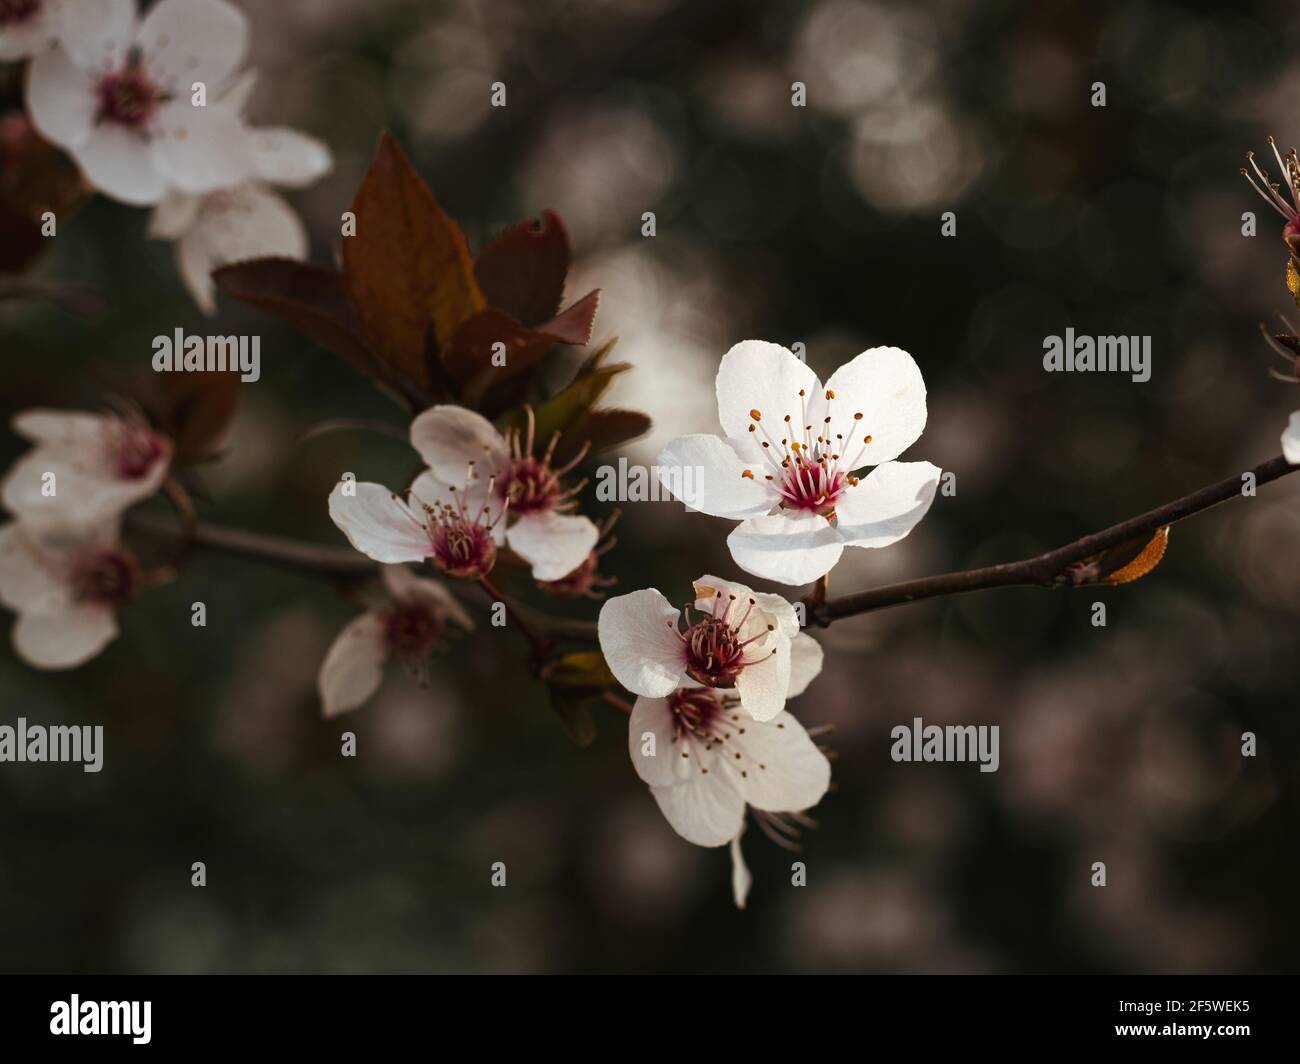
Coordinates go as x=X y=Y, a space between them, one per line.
x=575 y=715
x=580 y=673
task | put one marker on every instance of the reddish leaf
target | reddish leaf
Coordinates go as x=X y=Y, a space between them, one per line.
x=313 y=302
x=522 y=271
x=574 y=325
x=467 y=356
x=197 y=408
x=407 y=269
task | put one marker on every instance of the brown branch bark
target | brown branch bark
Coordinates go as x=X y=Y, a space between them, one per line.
x=1048 y=570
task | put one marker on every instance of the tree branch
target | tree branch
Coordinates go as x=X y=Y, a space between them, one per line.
x=1049 y=570
x=1045 y=570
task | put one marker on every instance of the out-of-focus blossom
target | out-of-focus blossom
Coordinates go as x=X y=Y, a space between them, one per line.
x=85 y=468
x=28 y=26
x=248 y=220
x=65 y=587
x=408 y=628
x=741 y=639
x=785 y=465
x=1291 y=439
x=466 y=453
x=118 y=95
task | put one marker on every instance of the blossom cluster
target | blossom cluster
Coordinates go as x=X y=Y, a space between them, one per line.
x=152 y=111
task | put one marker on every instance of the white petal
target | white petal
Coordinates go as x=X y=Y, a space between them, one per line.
x=185 y=41
x=1291 y=439
x=97 y=33
x=60 y=99
x=378 y=523
x=405 y=586
x=66 y=638
x=173 y=215
x=741 y=880
x=756 y=375
x=234 y=96
x=652 y=718
x=706 y=474
x=885 y=386
x=706 y=810
x=448 y=438
x=83 y=494
x=553 y=544
x=786 y=547
x=288 y=157
x=29 y=580
x=353 y=667
x=236 y=224
x=805 y=663
x=71 y=430
x=120 y=163
x=786 y=772
x=762 y=686
x=640 y=644
x=199 y=149
x=886 y=504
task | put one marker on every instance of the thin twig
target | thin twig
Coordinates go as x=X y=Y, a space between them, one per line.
x=1050 y=569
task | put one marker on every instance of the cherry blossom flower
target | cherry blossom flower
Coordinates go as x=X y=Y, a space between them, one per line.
x=28 y=26
x=1289 y=209
x=1291 y=439
x=65 y=588
x=248 y=220
x=786 y=465
x=407 y=628
x=457 y=534
x=705 y=760
x=464 y=451
x=737 y=638
x=116 y=94
x=85 y=468
x=586 y=580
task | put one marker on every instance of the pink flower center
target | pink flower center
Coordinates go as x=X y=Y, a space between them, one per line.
x=529 y=485
x=411 y=631
x=714 y=646
x=16 y=12
x=811 y=466
x=127 y=98
x=462 y=549
x=108 y=577
x=532 y=485
x=697 y=711
x=460 y=542
x=136 y=451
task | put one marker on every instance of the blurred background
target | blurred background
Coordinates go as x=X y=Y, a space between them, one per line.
x=818 y=225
